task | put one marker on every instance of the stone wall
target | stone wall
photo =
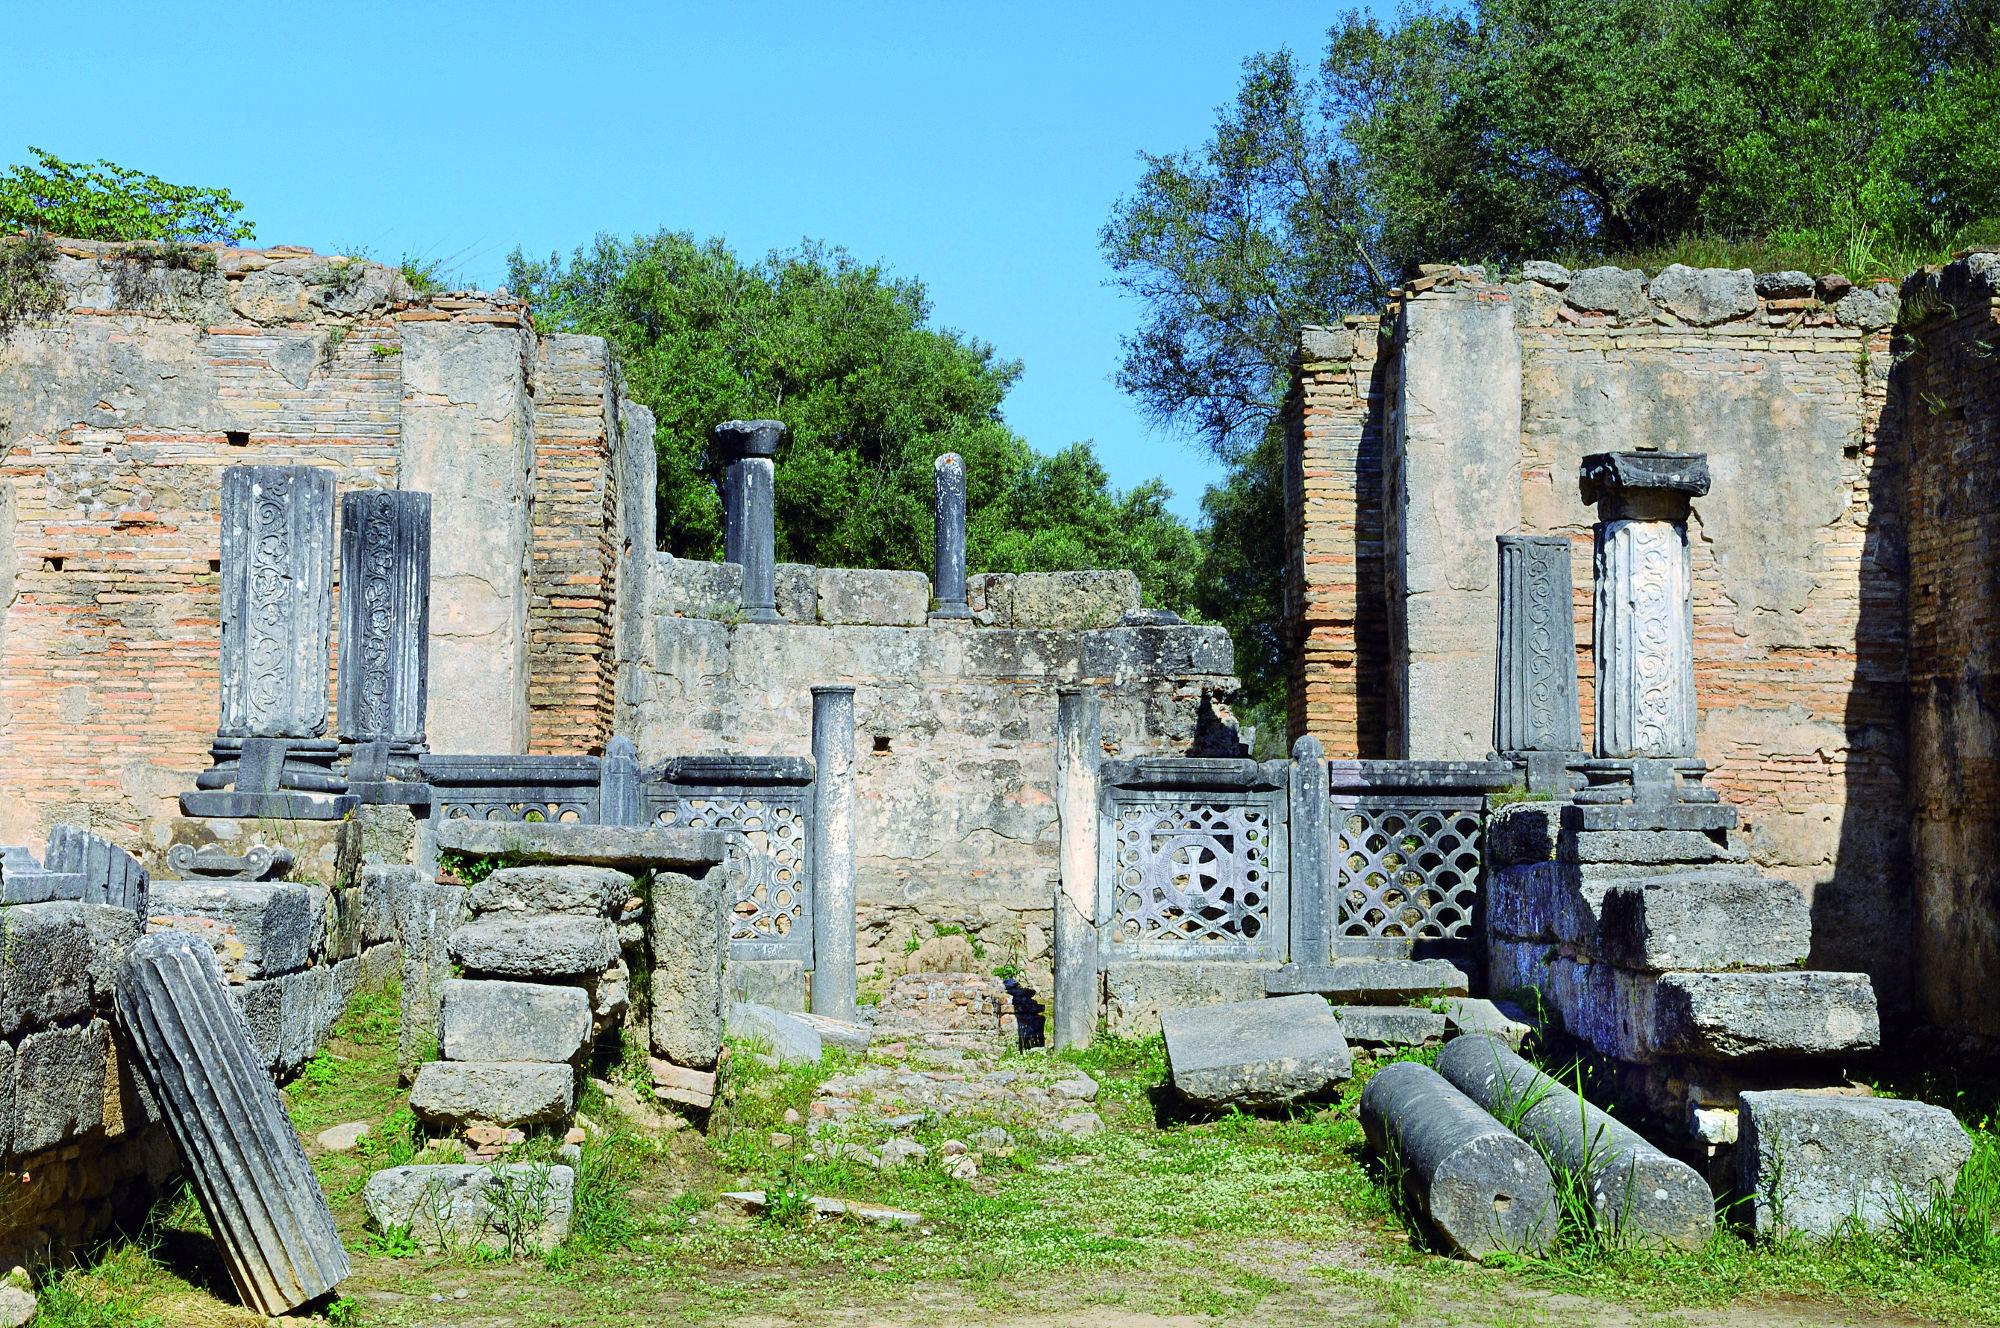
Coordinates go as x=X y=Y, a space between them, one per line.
x=955 y=742
x=1798 y=554
x=1950 y=391
x=116 y=421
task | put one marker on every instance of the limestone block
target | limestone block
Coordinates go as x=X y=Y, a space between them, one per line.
x=686 y=588
x=6 y=1100
x=1705 y=296
x=112 y=929
x=289 y=1016
x=1611 y=290
x=1788 y=285
x=271 y=297
x=1523 y=832
x=1127 y=655
x=797 y=590
x=388 y=834
x=1390 y=1025
x=256 y=931
x=1809 y=1162
x=328 y=852
x=380 y=901
x=513 y=1021
x=1546 y=274
x=1362 y=981
x=1664 y=847
x=791 y=1040
x=1869 y=306
x=870 y=597
x=1692 y=921
x=1252 y=1054
x=1066 y=601
x=990 y=596
x=59 y=1084
x=634 y=849
x=535 y=945
x=596 y=891
x=427 y=913
x=1137 y=991
x=504 y=1093
x=44 y=965
x=688 y=934
x=464 y=1207
x=778 y=983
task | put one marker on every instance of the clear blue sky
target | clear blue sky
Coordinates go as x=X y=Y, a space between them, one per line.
x=978 y=147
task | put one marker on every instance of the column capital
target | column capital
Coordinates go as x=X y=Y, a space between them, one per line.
x=1643 y=486
x=738 y=439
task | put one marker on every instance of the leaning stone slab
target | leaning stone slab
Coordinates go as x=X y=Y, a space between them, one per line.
x=1809 y=1162
x=1365 y=980
x=596 y=891
x=1255 y=1053
x=624 y=848
x=1636 y=1191
x=688 y=933
x=250 y=1171
x=542 y=946
x=44 y=965
x=513 y=1021
x=791 y=1040
x=506 y=1093
x=841 y=1033
x=1480 y=1189
x=257 y=931
x=464 y=1207
x=1390 y=1025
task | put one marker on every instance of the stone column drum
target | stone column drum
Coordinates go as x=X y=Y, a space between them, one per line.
x=1079 y=751
x=948 y=580
x=385 y=617
x=749 y=490
x=1645 y=600
x=834 y=942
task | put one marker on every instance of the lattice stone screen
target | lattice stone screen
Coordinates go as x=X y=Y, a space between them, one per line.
x=764 y=804
x=512 y=788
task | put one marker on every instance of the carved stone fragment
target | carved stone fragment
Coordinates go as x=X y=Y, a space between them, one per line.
x=385 y=577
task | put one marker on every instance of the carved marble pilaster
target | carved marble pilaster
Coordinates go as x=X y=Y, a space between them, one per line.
x=385 y=576
x=277 y=594
x=1534 y=704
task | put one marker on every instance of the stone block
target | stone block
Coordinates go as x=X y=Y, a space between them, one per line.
x=1705 y=296
x=778 y=983
x=256 y=931
x=791 y=1040
x=6 y=1100
x=59 y=1084
x=1254 y=1054
x=596 y=891
x=1390 y=1025
x=1132 y=655
x=1645 y=847
x=634 y=849
x=990 y=596
x=504 y=1206
x=1067 y=601
x=1810 y=1162
x=867 y=597
x=1362 y=981
x=327 y=852
x=688 y=935
x=545 y=946
x=1611 y=290
x=1692 y=921
x=427 y=913
x=1524 y=832
x=1137 y=991
x=381 y=904
x=44 y=965
x=388 y=834
x=513 y=1021
x=797 y=591
x=688 y=588
x=112 y=929
x=1674 y=816
x=505 y=1093
x=1474 y=1015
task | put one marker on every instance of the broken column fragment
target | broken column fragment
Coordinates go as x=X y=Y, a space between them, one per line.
x=746 y=449
x=250 y=1172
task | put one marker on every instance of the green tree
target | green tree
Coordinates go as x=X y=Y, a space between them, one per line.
x=109 y=202
x=871 y=392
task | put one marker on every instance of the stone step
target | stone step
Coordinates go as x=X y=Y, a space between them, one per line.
x=632 y=849
x=535 y=945
x=1659 y=920
x=1369 y=980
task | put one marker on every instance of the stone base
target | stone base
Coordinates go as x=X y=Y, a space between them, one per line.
x=1391 y=1025
x=1135 y=992
x=323 y=852
x=461 y=1208
x=970 y=1010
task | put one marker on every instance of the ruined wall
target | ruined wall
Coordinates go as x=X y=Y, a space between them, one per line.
x=1798 y=550
x=116 y=420
x=955 y=742
x=1950 y=392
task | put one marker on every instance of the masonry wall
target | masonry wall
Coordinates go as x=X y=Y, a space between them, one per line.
x=955 y=742
x=1950 y=393
x=116 y=420
x=1798 y=550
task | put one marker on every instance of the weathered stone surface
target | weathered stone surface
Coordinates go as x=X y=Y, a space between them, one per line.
x=1535 y=706
x=778 y=983
x=688 y=932
x=250 y=1172
x=1369 y=980
x=1523 y=832
x=791 y=1040
x=1636 y=1192
x=1475 y=1015
x=597 y=891
x=44 y=965
x=535 y=945
x=1390 y=1025
x=1644 y=643
x=1612 y=290
x=1810 y=1162
x=257 y=931
x=59 y=1084
x=1705 y=296
x=1645 y=847
x=854 y=596
x=632 y=849
x=835 y=944
x=385 y=614
x=1255 y=1053
x=513 y=1021
x=1480 y=1189
x=505 y=1206
x=427 y=914
x=1137 y=992
x=508 y=1093
x=277 y=531
x=1692 y=921
x=17 y=1305
x=343 y=1138
x=1547 y=274
x=845 y=1034
x=289 y=1017
x=110 y=874
x=1869 y=306
x=1065 y=601
x=1787 y=285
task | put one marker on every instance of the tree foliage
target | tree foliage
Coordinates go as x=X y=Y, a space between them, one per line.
x=110 y=202
x=872 y=393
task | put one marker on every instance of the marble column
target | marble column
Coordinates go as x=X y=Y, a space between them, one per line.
x=948 y=581
x=277 y=596
x=1645 y=600
x=749 y=530
x=1535 y=719
x=834 y=941
x=1079 y=751
x=385 y=616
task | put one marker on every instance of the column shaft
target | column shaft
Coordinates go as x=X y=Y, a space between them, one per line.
x=1079 y=750
x=948 y=580
x=833 y=903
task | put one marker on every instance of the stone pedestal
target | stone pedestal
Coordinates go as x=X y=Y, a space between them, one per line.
x=1535 y=719
x=749 y=531
x=948 y=580
x=385 y=614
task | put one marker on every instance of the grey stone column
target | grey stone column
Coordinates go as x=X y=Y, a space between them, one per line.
x=1079 y=751
x=1311 y=856
x=277 y=600
x=833 y=899
x=948 y=580
x=618 y=799
x=385 y=616
x=1644 y=636
x=749 y=530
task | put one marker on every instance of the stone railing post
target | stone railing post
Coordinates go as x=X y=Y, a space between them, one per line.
x=1535 y=717
x=1079 y=752
x=385 y=617
x=1311 y=939
x=1645 y=600
x=749 y=530
x=948 y=580
x=618 y=800
x=833 y=898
